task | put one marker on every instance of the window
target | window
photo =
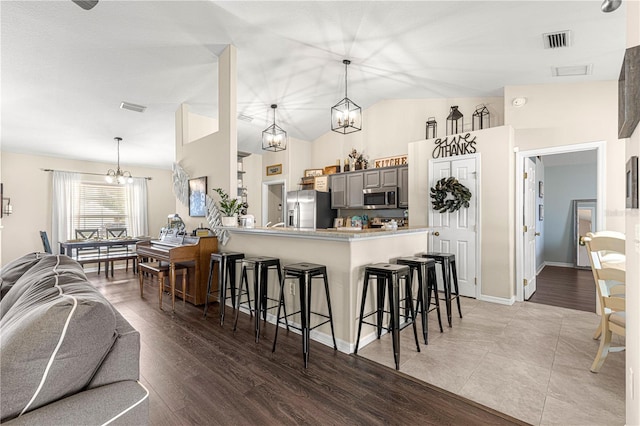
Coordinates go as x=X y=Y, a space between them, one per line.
x=101 y=205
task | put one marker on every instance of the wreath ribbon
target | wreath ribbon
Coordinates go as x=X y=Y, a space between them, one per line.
x=449 y=195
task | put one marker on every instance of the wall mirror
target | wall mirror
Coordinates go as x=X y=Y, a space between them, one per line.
x=584 y=221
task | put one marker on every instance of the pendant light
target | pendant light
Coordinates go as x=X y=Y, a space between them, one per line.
x=118 y=176
x=346 y=116
x=273 y=137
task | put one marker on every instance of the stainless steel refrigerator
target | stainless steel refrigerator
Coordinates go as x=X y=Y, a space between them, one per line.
x=309 y=209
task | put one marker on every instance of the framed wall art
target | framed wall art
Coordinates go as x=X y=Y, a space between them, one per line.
x=274 y=169
x=197 y=194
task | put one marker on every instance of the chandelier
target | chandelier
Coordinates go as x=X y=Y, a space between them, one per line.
x=346 y=116
x=273 y=137
x=118 y=175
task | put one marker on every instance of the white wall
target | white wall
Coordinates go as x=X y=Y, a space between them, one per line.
x=30 y=190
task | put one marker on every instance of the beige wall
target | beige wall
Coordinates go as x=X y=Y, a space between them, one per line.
x=30 y=190
x=214 y=155
x=632 y=232
x=496 y=213
x=566 y=114
x=390 y=125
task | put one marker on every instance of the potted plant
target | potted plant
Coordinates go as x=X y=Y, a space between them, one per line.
x=229 y=207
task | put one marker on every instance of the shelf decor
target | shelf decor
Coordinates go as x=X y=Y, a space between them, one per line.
x=455 y=121
x=346 y=116
x=480 y=118
x=432 y=128
x=449 y=195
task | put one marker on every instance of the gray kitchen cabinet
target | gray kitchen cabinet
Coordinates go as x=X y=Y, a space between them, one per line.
x=355 y=184
x=371 y=179
x=403 y=186
x=388 y=178
x=339 y=191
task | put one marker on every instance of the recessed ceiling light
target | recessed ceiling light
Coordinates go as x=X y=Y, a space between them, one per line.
x=132 y=107
x=571 y=70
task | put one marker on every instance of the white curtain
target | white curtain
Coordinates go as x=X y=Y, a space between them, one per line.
x=64 y=196
x=136 y=207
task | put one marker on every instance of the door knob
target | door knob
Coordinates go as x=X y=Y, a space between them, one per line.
x=537 y=234
x=437 y=234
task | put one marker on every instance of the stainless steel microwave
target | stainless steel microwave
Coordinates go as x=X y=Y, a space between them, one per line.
x=380 y=198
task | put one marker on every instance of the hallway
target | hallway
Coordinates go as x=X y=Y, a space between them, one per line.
x=566 y=288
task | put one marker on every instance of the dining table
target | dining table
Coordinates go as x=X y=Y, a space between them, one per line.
x=67 y=247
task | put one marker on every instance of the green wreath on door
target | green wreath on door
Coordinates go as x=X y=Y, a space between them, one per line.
x=449 y=195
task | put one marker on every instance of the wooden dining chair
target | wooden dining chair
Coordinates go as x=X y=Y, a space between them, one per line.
x=88 y=254
x=121 y=251
x=606 y=250
x=45 y=242
x=612 y=312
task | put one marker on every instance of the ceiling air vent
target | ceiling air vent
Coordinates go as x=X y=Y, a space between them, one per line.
x=132 y=107
x=570 y=71
x=557 y=39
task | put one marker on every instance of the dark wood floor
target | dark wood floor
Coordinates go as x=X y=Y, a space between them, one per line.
x=198 y=372
x=566 y=287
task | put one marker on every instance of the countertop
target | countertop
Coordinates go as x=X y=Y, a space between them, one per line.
x=328 y=234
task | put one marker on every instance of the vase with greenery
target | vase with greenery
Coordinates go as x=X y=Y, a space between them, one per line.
x=229 y=207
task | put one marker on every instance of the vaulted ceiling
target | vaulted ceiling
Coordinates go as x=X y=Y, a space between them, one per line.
x=65 y=70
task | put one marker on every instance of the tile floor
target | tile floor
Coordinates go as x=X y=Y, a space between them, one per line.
x=528 y=360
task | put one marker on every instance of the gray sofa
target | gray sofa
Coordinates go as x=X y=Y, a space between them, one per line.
x=67 y=357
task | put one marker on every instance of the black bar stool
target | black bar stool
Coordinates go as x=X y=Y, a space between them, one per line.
x=388 y=276
x=305 y=273
x=447 y=262
x=226 y=272
x=426 y=272
x=260 y=266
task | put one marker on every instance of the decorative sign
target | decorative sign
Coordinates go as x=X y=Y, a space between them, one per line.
x=275 y=169
x=454 y=145
x=399 y=160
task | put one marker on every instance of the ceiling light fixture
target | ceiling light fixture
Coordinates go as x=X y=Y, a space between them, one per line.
x=118 y=176
x=273 y=137
x=610 y=5
x=346 y=116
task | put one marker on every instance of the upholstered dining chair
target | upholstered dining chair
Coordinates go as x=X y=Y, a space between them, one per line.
x=605 y=250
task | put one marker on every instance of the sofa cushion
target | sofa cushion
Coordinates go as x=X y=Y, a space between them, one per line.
x=15 y=269
x=54 y=335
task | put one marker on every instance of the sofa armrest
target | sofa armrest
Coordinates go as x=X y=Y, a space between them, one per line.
x=123 y=360
x=122 y=403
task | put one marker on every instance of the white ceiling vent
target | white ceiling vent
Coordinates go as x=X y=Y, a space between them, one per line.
x=132 y=107
x=557 y=39
x=571 y=70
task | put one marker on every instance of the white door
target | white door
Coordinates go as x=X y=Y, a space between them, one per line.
x=457 y=231
x=529 y=230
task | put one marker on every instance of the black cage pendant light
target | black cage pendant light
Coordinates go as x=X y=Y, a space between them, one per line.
x=273 y=137
x=346 y=116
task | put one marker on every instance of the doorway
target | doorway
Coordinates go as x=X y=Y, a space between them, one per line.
x=273 y=196
x=557 y=227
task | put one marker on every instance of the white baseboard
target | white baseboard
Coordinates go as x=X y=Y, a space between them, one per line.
x=541 y=268
x=560 y=264
x=498 y=300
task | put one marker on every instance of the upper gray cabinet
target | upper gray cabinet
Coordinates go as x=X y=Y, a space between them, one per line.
x=380 y=178
x=338 y=191
x=355 y=184
x=403 y=186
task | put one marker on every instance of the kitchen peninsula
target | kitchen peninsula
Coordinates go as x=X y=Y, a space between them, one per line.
x=345 y=253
